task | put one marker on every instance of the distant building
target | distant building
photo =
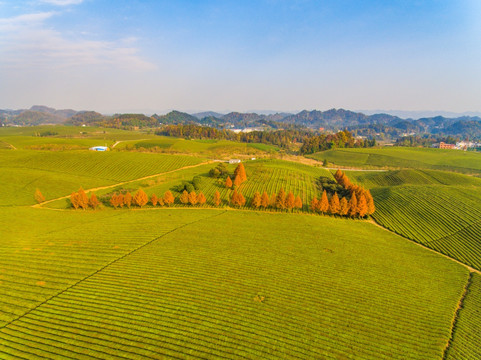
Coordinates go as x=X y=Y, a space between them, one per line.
x=443 y=145
x=99 y=148
x=234 y=161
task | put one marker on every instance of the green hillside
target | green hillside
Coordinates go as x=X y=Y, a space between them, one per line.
x=196 y=284
x=438 y=209
x=58 y=173
x=403 y=157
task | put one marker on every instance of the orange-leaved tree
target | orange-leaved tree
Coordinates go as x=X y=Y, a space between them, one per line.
x=290 y=200
x=39 y=198
x=168 y=198
x=228 y=182
x=193 y=198
x=113 y=201
x=281 y=199
x=237 y=180
x=313 y=206
x=160 y=201
x=237 y=199
x=83 y=200
x=140 y=198
x=217 y=199
x=201 y=198
x=353 y=205
x=272 y=200
x=334 y=205
x=93 y=201
x=74 y=199
x=264 y=200
x=128 y=199
x=362 y=206
x=240 y=170
x=154 y=200
x=338 y=175
x=343 y=207
x=121 y=200
x=256 y=200
x=370 y=203
x=184 y=198
x=298 y=202
x=324 y=204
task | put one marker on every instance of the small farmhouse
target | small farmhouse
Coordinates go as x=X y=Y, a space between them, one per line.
x=99 y=148
x=234 y=161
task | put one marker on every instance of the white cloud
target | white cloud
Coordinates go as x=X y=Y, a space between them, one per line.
x=62 y=2
x=26 y=42
x=22 y=21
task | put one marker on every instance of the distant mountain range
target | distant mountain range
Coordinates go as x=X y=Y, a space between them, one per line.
x=331 y=120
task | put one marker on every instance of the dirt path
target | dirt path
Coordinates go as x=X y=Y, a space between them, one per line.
x=473 y=270
x=312 y=162
x=120 y=141
x=124 y=182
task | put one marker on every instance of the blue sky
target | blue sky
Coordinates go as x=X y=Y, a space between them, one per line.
x=152 y=56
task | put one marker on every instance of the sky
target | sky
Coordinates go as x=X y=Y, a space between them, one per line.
x=152 y=56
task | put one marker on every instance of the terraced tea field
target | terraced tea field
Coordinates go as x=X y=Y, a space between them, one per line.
x=268 y=175
x=446 y=219
x=438 y=209
x=399 y=157
x=59 y=173
x=219 y=283
x=183 y=283
x=213 y=148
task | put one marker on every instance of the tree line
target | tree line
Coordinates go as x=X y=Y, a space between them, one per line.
x=342 y=139
x=355 y=201
x=282 y=138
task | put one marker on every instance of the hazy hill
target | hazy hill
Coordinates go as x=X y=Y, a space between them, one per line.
x=205 y=114
x=176 y=117
x=90 y=118
x=29 y=117
x=65 y=113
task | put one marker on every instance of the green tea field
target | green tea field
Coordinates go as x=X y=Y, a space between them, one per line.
x=399 y=157
x=203 y=282
x=193 y=284
x=438 y=209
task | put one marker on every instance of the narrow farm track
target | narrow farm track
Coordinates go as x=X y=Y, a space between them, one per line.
x=125 y=182
x=456 y=314
x=107 y=265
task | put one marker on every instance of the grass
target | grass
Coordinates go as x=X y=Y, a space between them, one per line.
x=400 y=157
x=467 y=334
x=356 y=291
